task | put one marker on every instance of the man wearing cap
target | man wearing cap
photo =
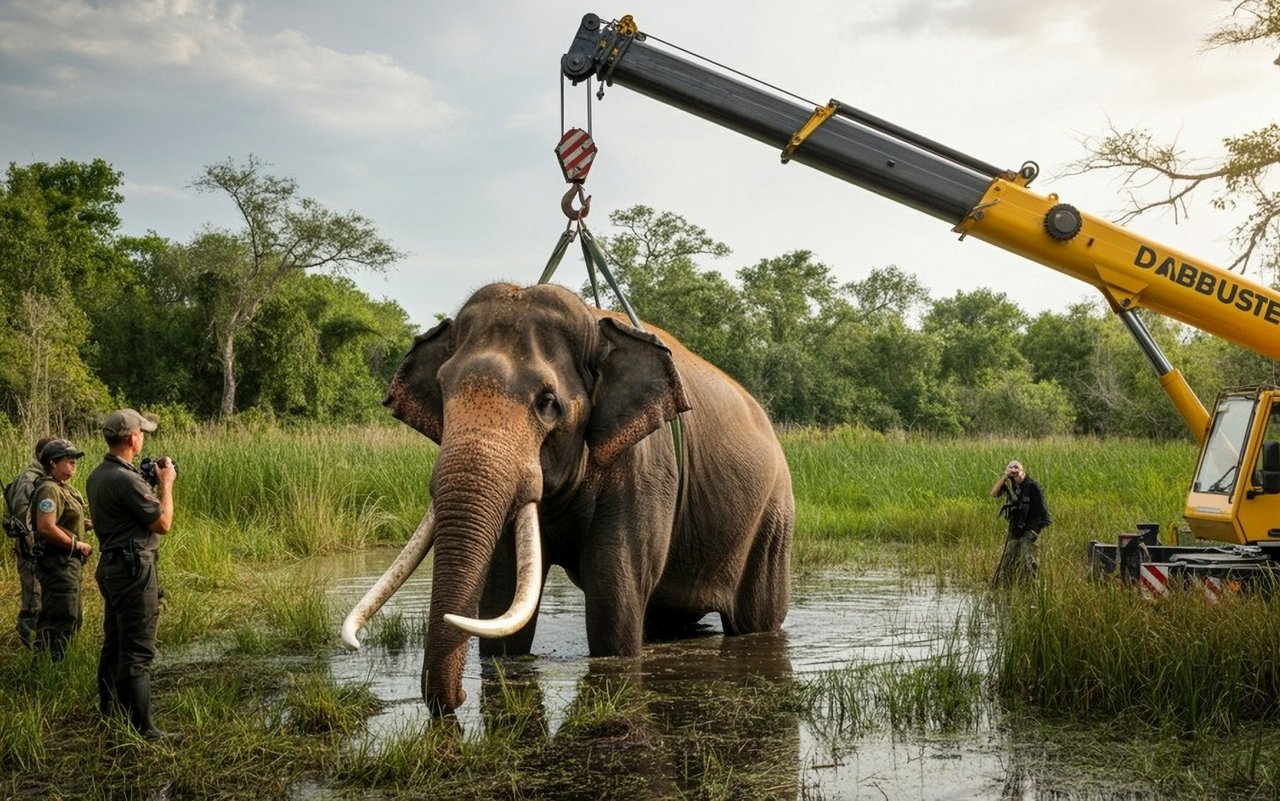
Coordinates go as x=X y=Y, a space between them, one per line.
x=1025 y=509
x=59 y=521
x=17 y=498
x=129 y=516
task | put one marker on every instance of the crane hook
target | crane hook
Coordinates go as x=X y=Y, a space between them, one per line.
x=566 y=203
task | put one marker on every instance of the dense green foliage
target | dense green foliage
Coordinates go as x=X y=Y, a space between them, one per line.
x=76 y=295
x=263 y=320
x=878 y=352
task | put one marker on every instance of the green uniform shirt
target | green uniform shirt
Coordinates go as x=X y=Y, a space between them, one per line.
x=63 y=502
x=122 y=505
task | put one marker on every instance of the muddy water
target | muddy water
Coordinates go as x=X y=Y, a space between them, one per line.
x=836 y=619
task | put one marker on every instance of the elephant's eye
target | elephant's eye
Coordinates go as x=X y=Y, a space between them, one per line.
x=548 y=405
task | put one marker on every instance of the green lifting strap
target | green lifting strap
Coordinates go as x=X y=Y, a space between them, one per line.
x=592 y=253
x=558 y=254
x=595 y=258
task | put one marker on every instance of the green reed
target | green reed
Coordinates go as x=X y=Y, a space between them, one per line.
x=1103 y=650
x=926 y=499
x=316 y=704
x=251 y=504
x=292 y=615
x=944 y=691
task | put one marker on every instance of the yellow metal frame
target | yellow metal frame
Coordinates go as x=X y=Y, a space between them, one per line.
x=1134 y=273
x=1257 y=515
x=1131 y=271
x=820 y=115
x=1246 y=515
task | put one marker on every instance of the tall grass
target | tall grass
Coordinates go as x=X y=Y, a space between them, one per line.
x=1103 y=651
x=262 y=497
x=271 y=495
x=250 y=503
x=274 y=495
x=946 y=691
x=927 y=498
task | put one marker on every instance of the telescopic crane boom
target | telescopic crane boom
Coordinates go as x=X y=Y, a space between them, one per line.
x=997 y=206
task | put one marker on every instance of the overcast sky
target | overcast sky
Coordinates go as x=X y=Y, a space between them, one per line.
x=437 y=120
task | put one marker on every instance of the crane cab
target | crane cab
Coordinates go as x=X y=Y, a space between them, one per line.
x=1235 y=494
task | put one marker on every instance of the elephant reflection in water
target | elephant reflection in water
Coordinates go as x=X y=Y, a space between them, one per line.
x=693 y=716
x=550 y=418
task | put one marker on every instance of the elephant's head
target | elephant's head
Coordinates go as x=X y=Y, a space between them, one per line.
x=527 y=392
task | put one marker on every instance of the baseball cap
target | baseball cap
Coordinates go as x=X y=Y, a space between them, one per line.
x=123 y=422
x=59 y=448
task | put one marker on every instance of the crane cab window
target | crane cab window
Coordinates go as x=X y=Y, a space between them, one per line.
x=1220 y=461
x=1273 y=423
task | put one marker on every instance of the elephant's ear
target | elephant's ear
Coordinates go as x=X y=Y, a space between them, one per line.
x=414 y=395
x=639 y=389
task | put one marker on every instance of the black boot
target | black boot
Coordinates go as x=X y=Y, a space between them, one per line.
x=137 y=691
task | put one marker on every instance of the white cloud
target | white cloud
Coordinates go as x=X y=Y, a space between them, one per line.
x=134 y=45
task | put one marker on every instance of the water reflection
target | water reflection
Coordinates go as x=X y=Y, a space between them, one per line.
x=702 y=689
x=695 y=714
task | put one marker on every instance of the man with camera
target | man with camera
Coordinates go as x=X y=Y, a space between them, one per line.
x=130 y=515
x=1025 y=509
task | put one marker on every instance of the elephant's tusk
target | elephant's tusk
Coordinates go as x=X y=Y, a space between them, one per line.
x=414 y=551
x=528 y=583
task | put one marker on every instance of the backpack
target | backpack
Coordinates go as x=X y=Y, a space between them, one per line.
x=14 y=525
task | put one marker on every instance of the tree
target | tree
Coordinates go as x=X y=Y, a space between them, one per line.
x=980 y=332
x=283 y=235
x=1239 y=175
x=800 y=370
x=57 y=229
x=1012 y=404
x=654 y=261
x=1122 y=387
x=149 y=314
x=888 y=292
x=1061 y=348
x=322 y=350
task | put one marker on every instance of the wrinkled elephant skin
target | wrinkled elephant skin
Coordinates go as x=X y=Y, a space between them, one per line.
x=536 y=398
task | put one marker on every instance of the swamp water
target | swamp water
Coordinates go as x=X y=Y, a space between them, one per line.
x=836 y=620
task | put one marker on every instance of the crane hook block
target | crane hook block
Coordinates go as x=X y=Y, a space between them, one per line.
x=576 y=151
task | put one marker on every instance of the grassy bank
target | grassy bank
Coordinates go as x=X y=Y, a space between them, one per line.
x=245 y=638
x=927 y=498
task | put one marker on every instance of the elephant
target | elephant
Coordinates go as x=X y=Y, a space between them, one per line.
x=554 y=450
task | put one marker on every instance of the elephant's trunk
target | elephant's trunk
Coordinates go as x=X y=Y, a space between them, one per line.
x=480 y=483
x=414 y=551
x=528 y=583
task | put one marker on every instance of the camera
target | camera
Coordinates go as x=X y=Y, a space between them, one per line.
x=147 y=467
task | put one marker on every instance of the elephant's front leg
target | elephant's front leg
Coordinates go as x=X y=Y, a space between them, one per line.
x=495 y=599
x=621 y=567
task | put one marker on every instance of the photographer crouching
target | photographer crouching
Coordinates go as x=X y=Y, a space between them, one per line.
x=130 y=514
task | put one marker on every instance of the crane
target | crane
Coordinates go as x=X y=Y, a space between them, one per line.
x=1234 y=496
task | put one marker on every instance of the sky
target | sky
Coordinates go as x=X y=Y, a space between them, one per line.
x=437 y=121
